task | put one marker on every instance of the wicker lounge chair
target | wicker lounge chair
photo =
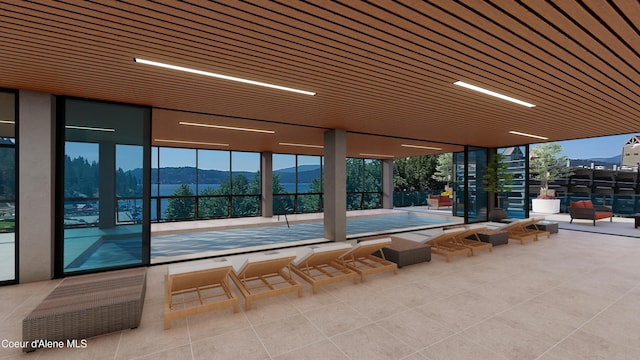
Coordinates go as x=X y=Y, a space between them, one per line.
x=264 y=276
x=469 y=238
x=321 y=266
x=361 y=260
x=193 y=288
x=445 y=244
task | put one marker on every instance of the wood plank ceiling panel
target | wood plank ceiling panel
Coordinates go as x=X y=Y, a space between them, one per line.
x=379 y=67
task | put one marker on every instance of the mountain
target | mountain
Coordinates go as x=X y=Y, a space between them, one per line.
x=613 y=160
x=187 y=175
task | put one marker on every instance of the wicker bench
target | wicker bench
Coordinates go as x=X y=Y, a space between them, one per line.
x=87 y=305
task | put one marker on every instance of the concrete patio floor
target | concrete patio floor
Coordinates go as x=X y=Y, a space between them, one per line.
x=573 y=296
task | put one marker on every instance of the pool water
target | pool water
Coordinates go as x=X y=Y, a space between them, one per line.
x=196 y=242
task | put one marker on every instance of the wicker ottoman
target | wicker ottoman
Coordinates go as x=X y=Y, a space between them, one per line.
x=85 y=306
x=406 y=252
x=494 y=237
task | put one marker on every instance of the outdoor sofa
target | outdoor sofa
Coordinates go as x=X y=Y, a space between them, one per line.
x=584 y=209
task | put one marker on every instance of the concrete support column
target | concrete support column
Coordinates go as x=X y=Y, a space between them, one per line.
x=335 y=185
x=36 y=173
x=266 y=159
x=387 y=184
x=107 y=188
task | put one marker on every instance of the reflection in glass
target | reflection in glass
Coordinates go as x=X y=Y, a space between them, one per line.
x=103 y=186
x=514 y=201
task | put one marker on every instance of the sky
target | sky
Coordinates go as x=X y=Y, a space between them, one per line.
x=599 y=147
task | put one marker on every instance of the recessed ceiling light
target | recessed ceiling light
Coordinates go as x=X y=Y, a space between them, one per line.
x=421 y=147
x=89 y=128
x=227 y=127
x=376 y=155
x=302 y=145
x=529 y=135
x=189 y=142
x=492 y=93
x=7 y=122
x=220 y=76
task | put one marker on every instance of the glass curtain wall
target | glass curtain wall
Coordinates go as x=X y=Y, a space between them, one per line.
x=364 y=184
x=102 y=217
x=459 y=184
x=8 y=192
x=189 y=184
x=515 y=202
x=297 y=184
x=478 y=198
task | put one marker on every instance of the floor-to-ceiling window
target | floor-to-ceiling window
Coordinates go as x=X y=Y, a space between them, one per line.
x=515 y=201
x=189 y=184
x=8 y=185
x=364 y=184
x=297 y=183
x=103 y=218
x=477 y=167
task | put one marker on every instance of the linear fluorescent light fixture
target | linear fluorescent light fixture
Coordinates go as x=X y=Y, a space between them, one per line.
x=529 y=135
x=227 y=127
x=189 y=142
x=421 y=147
x=492 y=93
x=302 y=145
x=376 y=155
x=89 y=128
x=7 y=122
x=220 y=76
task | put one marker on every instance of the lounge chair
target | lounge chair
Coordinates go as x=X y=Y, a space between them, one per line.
x=264 y=276
x=361 y=260
x=200 y=287
x=469 y=238
x=321 y=266
x=445 y=244
x=518 y=230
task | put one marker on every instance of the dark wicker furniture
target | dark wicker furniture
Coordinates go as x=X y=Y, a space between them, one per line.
x=87 y=305
x=406 y=252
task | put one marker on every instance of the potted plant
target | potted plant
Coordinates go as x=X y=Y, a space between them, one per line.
x=546 y=164
x=497 y=180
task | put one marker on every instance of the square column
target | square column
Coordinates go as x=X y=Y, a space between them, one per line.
x=266 y=163
x=335 y=185
x=387 y=184
x=36 y=173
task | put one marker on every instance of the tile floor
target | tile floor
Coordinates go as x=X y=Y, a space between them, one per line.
x=573 y=296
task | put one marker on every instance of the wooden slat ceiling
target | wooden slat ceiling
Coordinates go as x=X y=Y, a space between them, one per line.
x=379 y=67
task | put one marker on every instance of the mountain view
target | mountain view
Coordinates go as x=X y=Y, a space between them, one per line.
x=181 y=175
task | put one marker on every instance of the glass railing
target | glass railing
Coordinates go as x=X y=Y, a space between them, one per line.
x=411 y=198
x=620 y=204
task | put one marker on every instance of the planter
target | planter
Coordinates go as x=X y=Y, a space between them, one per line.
x=545 y=206
x=497 y=214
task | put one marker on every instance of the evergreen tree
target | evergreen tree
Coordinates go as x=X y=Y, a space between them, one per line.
x=182 y=207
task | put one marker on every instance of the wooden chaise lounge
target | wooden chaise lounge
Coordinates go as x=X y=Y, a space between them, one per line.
x=321 y=266
x=444 y=244
x=518 y=230
x=469 y=238
x=361 y=260
x=193 y=288
x=266 y=275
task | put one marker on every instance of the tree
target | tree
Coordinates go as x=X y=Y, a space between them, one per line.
x=444 y=168
x=181 y=207
x=498 y=178
x=547 y=164
x=416 y=174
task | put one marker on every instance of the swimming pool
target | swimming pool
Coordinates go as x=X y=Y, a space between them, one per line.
x=180 y=245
